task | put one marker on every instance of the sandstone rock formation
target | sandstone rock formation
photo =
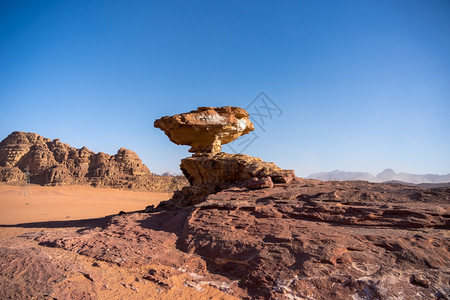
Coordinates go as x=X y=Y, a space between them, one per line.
x=210 y=170
x=207 y=128
x=210 y=173
x=51 y=162
x=305 y=239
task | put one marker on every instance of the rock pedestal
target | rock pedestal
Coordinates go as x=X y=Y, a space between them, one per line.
x=230 y=168
x=209 y=170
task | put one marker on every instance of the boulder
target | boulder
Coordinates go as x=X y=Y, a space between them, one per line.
x=207 y=128
x=255 y=183
x=225 y=168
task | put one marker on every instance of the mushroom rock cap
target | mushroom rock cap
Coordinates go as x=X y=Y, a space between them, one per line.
x=207 y=128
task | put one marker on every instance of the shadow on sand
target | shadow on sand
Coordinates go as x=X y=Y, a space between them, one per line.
x=90 y=223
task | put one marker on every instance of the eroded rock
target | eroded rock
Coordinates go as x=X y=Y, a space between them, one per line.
x=211 y=173
x=207 y=128
x=209 y=170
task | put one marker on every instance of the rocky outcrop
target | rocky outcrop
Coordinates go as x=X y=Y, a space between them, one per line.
x=11 y=174
x=326 y=241
x=230 y=168
x=207 y=128
x=51 y=162
x=210 y=173
x=305 y=239
x=209 y=170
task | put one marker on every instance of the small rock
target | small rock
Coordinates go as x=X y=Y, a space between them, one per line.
x=283 y=176
x=87 y=276
x=259 y=183
x=149 y=209
x=420 y=280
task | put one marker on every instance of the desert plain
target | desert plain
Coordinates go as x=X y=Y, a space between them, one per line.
x=64 y=203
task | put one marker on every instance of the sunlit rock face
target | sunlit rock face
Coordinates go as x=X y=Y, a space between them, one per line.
x=207 y=128
x=51 y=162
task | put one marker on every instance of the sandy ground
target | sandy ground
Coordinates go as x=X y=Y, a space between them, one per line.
x=63 y=203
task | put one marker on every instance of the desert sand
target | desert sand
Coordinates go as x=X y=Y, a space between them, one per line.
x=63 y=203
x=36 y=206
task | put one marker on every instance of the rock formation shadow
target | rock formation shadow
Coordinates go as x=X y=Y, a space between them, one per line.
x=86 y=223
x=166 y=220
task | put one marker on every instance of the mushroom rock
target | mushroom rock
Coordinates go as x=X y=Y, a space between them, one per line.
x=209 y=170
x=207 y=128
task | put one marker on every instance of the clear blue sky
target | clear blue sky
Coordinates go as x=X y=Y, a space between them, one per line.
x=363 y=85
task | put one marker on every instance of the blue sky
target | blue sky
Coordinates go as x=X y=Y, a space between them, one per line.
x=363 y=85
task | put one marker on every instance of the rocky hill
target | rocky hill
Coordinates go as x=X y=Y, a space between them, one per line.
x=51 y=162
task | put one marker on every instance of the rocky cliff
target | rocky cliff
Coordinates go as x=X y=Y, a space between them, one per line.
x=51 y=162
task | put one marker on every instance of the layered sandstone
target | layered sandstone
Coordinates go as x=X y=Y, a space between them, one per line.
x=229 y=168
x=51 y=162
x=207 y=128
x=210 y=173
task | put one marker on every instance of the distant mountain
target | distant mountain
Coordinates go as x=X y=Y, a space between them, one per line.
x=342 y=175
x=385 y=175
x=171 y=174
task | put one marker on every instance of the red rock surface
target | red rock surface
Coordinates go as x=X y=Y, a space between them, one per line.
x=51 y=162
x=301 y=240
